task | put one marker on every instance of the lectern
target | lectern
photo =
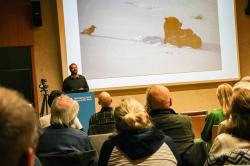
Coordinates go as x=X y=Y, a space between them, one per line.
x=86 y=102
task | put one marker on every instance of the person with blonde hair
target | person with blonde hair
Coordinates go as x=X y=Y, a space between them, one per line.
x=103 y=121
x=59 y=137
x=18 y=134
x=137 y=141
x=218 y=115
x=233 y=146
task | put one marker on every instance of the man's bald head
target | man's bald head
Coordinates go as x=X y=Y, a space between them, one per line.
x=104 y=99
x=246 y=78
x=158 y=97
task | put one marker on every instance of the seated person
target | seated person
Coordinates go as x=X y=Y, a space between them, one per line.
x=45 y=120
x=246 y=78
x=18 y=134
x=223 y=125
x=178 y=127
x=59 y=137
x=103 y=121
x=224 y=95
x=137 y=142
x=237 y=134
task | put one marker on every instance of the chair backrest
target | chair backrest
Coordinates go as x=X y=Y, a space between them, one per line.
x=195 y=113
x=198 y=123
x=98 y=140
x=214 y=132
x=87 y=158
x=196 y=155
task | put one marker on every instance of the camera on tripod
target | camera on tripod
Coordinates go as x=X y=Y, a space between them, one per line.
x=43 y=85
x=44 y=88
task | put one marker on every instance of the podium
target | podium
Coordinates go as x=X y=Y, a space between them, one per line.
x=86 y=102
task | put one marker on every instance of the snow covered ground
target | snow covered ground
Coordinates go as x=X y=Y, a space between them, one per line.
x=127 y=41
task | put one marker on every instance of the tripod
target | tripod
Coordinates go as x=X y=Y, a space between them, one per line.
x=45 y=102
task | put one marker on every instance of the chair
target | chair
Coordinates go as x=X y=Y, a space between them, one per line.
x=195 y=113
x=196 y=155
x=98 y=140
x=87 y=158
x=198 y=123
x=214 y=132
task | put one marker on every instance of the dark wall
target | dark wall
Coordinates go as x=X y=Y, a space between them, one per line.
x=16 y=70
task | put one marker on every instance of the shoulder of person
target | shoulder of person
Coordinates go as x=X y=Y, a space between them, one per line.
x=184 y=117
x=81 y=76
x=67 y=78
x=216 y=111
x=77 y=132
x=225 y=137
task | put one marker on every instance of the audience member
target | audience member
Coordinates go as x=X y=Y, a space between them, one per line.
x=59 y=137
x=103 y=121
x=18 y=133
x=137 y=143
x=246 y=78
x=224 y=95
x=45 y=120
x=237 y=135
x=75 y=81
x=223 y=125
x=178 y=127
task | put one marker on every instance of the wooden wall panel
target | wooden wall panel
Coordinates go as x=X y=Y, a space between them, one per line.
x=243 y=24
x=15 y=23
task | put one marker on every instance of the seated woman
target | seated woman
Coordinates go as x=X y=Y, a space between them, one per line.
x=59 y=137
x=224 y=95
x=137 y=142
x=237 y=134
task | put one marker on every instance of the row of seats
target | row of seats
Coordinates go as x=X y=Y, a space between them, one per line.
x=198 y=122
x=78 y=158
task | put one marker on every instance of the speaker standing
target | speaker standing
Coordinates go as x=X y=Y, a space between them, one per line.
x=75 y=81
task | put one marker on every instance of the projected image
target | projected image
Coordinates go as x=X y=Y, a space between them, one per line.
x=128 y=38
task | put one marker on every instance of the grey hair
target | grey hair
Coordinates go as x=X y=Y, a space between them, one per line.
x=64 y=111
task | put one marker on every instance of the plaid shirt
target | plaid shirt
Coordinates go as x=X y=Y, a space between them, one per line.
x=102 y=122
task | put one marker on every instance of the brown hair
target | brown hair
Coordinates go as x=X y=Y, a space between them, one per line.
x=18 y=127
x=71 y=65
x=240 y=111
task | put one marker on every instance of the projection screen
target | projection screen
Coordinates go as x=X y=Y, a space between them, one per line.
x=130 y=43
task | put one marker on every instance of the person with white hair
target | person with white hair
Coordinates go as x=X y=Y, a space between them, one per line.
x=59 y=137
x=45 y=120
